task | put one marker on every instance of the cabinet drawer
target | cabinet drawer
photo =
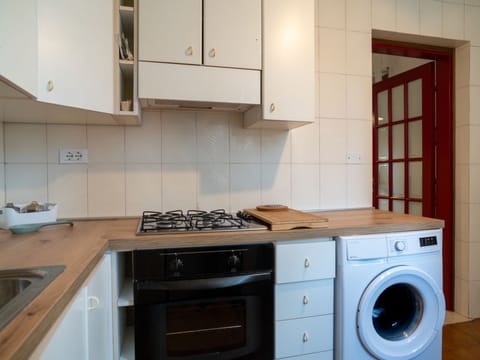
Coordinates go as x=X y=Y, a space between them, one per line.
x=309 y=298
x=324 y=355
x=304 y=261
x=303 y=336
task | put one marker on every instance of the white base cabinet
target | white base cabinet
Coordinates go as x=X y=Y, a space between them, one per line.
x=84 y=331
x=304 y=299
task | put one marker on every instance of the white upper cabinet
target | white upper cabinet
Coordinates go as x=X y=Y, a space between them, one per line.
x=170 y=31
x=232 y=33
x=174 y=30
x=288 y=77
x=18 y=47
x=75 y=54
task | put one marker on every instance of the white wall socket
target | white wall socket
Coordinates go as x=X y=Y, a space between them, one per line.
x=353 y=158
x=73 y=156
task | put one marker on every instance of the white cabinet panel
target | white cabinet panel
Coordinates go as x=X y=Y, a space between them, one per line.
x=232 y=33
x=324 y=355
x=303 y=336
x=170 y=31
x=304 y=299
x=75 y=53
x=304 y=261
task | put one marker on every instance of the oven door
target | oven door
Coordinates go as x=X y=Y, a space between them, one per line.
x=221 y=318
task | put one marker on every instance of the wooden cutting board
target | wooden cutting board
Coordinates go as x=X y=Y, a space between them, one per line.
x=288 y=219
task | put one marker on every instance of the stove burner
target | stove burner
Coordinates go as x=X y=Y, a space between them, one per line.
x=193 y=220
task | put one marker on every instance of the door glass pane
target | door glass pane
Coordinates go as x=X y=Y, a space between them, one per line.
x=383 y=179
x=398 y=144
x=382 y=105
x=398 y=179
x=415 y=179
x=415 y=139
x=383 y=204
x=398 y=206
x=415 y=208
x=397 y=103
x=383 y=143
x=415 y=98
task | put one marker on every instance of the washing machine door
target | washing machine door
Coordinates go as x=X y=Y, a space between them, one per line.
x=400 y=313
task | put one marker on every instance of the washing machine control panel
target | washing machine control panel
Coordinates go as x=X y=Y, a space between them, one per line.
x=403 y=244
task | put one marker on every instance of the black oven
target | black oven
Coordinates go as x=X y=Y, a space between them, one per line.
x=204 y=303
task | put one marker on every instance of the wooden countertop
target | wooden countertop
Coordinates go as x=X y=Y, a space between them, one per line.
x=80 y=248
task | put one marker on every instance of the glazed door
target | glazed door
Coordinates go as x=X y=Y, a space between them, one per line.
x=403 y=142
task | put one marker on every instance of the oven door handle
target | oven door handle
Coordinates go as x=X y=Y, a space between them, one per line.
x=203 y=284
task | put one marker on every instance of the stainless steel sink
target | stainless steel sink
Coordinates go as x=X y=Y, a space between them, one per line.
x=18 y=287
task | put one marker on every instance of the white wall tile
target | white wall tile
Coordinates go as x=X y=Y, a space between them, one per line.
x=431 y=18
x=143 y=188
x=453 y=21
x=179 y=186
x=64 y=137
x=474 y=271
x=2 y=142
x=475 y=64
x=306 y=143
x=2 y=184
x=473 y=144
x=473 y=223
x=106 y=144
x=213 y=186
x=25 y=143
x=245 y=186
x=213 y=136
x=25 y=182
x=472 y=21
x=67 y=186
x=333 y=186
x=408 y=16
x=331 y=50
x=462 y=226
x=143 y=144
x=2 y=106
x=359 y=15
x=359 y=97
x=179 y=143
x=462 y=66
x=474 y=310
x=276 y=184
x=244 y=143
x=474 y=115
x=383 y=15
x=461 y=296
x=276 y=146
x=359 y=53
x=359 y=186
x=462 y=181
x=462 y=106
x=106 y=190
x=472 y=2
x=332 y=95
x=462 y=260
x=474 y=195
x=305 y=186
x=359 y=139
x=331 y=13
x=27 y=111
x=333 y=141
x=462 y=144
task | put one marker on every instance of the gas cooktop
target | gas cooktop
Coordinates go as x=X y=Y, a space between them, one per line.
x=178 y=221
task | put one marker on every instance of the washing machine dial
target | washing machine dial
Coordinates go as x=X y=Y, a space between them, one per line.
x=399 y=245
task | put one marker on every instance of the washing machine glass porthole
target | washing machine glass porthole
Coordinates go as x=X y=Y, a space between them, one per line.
x=397 y=312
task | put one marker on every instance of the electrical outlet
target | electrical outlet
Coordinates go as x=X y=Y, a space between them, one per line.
x=73 y=156
x=353 y=158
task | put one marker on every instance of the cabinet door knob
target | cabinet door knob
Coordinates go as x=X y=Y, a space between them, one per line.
x=93 y=302
x=212 y=53
x=50 y=85
x=272 y=107
x=189 y=51
x=307 y=262
x=305 y=300
x=305 y=337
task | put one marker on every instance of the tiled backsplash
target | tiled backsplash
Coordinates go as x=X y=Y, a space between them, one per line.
x=187 y=160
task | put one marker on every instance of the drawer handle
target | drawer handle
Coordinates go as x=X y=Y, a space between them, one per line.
x=307 y=262
x=189 y=51
x=272 y=107
x=50 y=85
x=213 y=53
x=305 y=337
x=93 y=302
x=305 y=300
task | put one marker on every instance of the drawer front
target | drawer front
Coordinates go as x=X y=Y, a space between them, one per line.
x=309 y=298
x=324 y=355
x=304 y=261
x=303 y=336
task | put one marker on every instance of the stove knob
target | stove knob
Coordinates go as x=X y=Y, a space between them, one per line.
x=399 y=245
x=233 y=260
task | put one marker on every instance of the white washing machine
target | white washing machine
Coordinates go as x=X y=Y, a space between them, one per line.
x=389 y=302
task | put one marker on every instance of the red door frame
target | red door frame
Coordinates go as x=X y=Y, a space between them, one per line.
x=444 y=201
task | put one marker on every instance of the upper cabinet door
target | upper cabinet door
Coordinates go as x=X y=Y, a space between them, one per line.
x=75 y=53
x=233 y=33
x=289 y=60
x=18 y=45
x=170 y=31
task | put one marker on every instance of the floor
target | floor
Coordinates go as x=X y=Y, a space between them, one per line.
x=461 y=340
